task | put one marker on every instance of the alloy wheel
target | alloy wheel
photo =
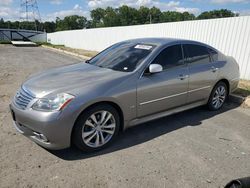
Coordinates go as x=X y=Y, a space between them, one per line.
x=219 y=97
x=98 y=129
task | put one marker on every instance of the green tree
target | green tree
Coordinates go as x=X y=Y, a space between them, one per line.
x=60 y=25
x=127 y=15
x=155 y=15
x=71 y=22
x=2 y=24
x=49 y=27
x=171 y=16
x=222 y=13
x=97 y=16
x=188 y=16
x=143 y=15
x=75 y=22
x=111 y=17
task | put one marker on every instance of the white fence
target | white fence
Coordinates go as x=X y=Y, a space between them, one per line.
x=229 y=35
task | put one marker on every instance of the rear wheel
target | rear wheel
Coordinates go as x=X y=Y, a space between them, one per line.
x=96 y=128
x=218 y=96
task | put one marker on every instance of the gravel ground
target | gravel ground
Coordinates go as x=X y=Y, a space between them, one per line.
x=196 y=148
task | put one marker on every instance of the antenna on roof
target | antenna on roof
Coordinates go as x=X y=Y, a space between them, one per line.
x=29 y=15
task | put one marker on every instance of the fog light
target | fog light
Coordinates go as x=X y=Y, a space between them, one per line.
x=40 y=136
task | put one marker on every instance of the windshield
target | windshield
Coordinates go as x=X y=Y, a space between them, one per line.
x=125 y=56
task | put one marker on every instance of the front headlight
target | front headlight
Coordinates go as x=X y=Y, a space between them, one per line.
x=54 y=103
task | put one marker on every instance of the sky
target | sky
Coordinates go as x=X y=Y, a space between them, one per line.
x=50 y=9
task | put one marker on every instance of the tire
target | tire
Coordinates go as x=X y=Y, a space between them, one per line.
x=218 y=96
x=96 y=128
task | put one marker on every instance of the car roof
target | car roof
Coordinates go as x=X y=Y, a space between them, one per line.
x=165 y=41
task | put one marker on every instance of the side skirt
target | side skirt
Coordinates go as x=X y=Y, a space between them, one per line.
x=165 y=113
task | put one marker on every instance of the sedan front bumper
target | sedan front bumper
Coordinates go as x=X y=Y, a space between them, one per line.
x=51 y=130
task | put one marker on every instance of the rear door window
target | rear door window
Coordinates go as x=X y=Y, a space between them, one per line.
x=213 y=54
x=196 y=54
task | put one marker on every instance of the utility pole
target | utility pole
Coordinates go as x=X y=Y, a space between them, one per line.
x=29 y=14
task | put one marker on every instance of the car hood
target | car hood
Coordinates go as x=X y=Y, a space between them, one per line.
x=67 y=78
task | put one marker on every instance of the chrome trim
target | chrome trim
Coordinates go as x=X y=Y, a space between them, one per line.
x=24 y=94
x=198 y=89
x=170 y=96
x=165 y=113
x=23 y=98
x=28 y=92
x=175 y=95
x=17 y=128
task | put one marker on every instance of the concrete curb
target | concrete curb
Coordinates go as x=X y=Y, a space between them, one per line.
x=66 y=52
x=244 y=102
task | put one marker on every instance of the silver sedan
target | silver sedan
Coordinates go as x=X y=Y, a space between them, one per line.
x=129 y=83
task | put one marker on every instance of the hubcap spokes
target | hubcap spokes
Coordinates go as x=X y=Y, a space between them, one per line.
x=219 y=97
x=98 y=129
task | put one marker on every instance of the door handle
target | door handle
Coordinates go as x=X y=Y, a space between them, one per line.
x=214 y=69
x=183 y=77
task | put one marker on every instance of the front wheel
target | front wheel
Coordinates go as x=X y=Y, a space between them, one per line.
x=218 y=96
x=96 y=128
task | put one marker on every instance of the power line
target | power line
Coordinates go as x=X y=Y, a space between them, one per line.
x=29 y=14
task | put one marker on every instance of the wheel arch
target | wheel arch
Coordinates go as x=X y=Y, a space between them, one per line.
x=226 y=82
x=111 y=103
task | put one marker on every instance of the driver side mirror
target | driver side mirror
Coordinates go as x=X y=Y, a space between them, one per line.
x=155 y=68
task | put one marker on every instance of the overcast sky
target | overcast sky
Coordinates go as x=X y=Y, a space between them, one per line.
x=50 y=9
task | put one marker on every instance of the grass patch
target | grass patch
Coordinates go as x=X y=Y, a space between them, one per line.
x=5 y=42
x=50 y=45
x=243 y=88
x=77 y=51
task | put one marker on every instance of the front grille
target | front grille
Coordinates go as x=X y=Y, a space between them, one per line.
x=23 y=98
